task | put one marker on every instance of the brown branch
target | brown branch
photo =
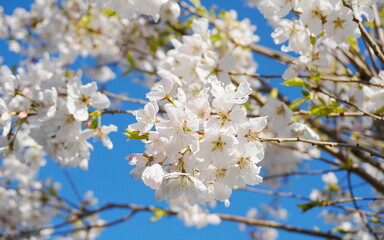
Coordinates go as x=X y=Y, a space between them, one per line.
x=378 y=25
x=351 y=104
x=362 y=217
x=371 y=42
x=271 y=224
x=341 y=114
x=225 y=217
x=289 y=174
x=124 y=98
x=279 y=56
x=114 y=111
x=322 y=143
x=299 y=197
x=353 y=199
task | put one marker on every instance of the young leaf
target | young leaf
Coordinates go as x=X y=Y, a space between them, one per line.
x=159 y=213
x=295 y=82
x=307 y=206
x=131 y=134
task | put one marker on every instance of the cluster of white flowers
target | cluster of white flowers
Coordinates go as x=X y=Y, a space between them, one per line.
x=153 y=8
x=44 y=113
x=27 y=209
x=47 y=111
x=318 y=25
x=74 y=29
x=202 y=147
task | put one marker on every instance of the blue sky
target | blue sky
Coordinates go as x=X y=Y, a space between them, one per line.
x=108 y=175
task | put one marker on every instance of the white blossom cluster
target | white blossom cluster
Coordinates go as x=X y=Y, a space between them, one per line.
x=44 y=111
x=27 y=209
x=128 y=8
x=203 y=147
x=320 y=27
x=74 y=29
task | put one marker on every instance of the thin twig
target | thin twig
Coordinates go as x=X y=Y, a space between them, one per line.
x=124 y=98
x=316 y=172
x=363 y=219
x=72 y=184
x=322 y=143
x=299 y=197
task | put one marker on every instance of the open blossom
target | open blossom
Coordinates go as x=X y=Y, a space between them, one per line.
x=175 y=184
x=340 y=25
x=296 y=34
x=217 y=148
x=313 y=14
x=182 y=127
x=127 y=8
x=80 y=97
x=196 y=216
x=163 y=89
x=278 y=114
x=363 y=8
x=102 y=134
x=146 y=118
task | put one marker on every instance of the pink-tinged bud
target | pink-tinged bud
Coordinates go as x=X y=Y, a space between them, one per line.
x=88 y=124
x=22 y=115
x=25 y=91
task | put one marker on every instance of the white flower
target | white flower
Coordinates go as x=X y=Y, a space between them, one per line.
x=340 y=25
x=363 y=7
x=80 y=97
x=217 y=148
x=153 y=176
x=175 y=184
x=196 y=216
x=296 y=34
x=5 y=118
x=313 y=14
x=162 y=90
x=102 y=134
x=182 y=128
x=279 y=115
x=101 y=74
x=146 y=118
x=329 y=178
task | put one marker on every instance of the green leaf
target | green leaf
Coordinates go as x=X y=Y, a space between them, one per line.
x=295 y=82
x=52 y=191
x=274 y=93
x=306 y=94
x=313 y=40
x=347 y=164
x=85 y=20
x=196 y=3
x=375 y=220
x=247 y=106
x=202 y=11
x=110 y=13
x=352 y=43
x=131 y=134
x=380 y=111
x=159 y=213
x=297 y=103
x=316 y=77
x=340 y=230
x=94 y=124
x=333 y=187
x=322 y=111
x=131 y=59
x=307 y=206
x=223 y=14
